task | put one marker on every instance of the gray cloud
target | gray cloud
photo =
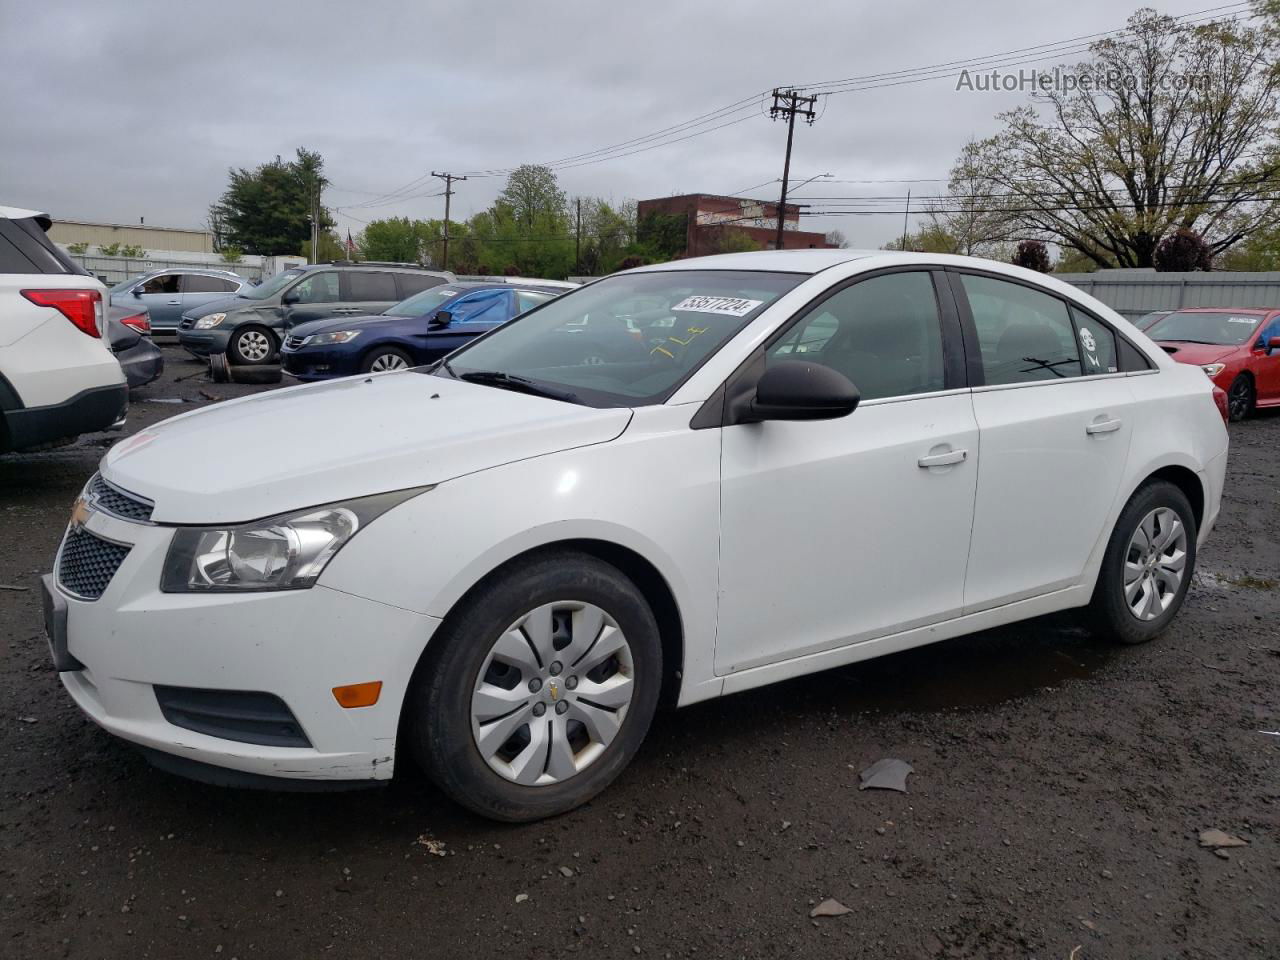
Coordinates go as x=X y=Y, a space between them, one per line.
x=120 y=111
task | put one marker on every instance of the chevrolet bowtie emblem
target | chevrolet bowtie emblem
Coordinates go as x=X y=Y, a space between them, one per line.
x=79 y=514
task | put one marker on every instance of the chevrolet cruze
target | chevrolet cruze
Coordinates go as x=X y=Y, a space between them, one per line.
x=499 y=566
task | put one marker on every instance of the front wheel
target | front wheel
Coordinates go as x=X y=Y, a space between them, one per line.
x=539 y=690
x=382 y=359
x=251 y=346
x=1147 y=567
x=1240 y=398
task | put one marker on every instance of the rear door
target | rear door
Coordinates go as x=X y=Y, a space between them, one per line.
x=367 y=292
x=1055 y=415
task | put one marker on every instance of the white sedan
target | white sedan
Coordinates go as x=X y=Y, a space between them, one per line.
x=669 y=485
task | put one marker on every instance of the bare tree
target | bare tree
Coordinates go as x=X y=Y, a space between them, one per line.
x=1181 y=135
x=971 y=213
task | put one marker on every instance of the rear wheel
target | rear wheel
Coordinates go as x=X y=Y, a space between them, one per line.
x=251 y=345
x=382 y=359
x=1147 y=567
x=1240 y=398
x=539 y=690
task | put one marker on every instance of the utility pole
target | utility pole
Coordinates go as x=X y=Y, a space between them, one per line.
x=577 y=241
x=905 y=214
x=789 y=103
x=315 y=221
x=448 y=179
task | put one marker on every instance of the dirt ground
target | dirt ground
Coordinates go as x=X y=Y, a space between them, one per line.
x=1059 y=789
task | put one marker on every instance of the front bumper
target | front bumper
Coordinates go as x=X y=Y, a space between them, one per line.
x=314 y=364
x=202 y=343
x=297 y=645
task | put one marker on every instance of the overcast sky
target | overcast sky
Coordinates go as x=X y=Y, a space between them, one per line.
x=114 y=111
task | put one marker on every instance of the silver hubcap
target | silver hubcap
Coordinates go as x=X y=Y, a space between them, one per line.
x=254 y=345
x=1155 y=563
x=552 y=693
x=387 y=361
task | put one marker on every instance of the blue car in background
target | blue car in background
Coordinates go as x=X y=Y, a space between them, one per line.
x=419 y=330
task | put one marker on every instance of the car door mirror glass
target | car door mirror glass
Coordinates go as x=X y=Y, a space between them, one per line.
x=289 y=298
x=799 y=390
x=441 y=320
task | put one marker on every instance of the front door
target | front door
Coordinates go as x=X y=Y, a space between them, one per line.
x=315 y=297
x=162 y=296
x=840 y=531
x=1055 y=416
x=1267 y=366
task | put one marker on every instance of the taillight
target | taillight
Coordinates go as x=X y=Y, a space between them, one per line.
x=139 y=322
x=1220 y=398
x=81 y=307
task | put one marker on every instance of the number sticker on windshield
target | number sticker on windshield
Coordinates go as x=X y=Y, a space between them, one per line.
x=1249 y=320
x=726 y=306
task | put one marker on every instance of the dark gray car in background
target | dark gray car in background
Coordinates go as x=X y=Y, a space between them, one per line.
x=167 y=294
x=250 y=327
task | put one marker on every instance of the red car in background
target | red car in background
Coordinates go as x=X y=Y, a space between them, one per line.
x=1238 y=349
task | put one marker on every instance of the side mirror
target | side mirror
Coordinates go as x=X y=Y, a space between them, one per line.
x=799 y=390
x=441 y=320
x=289 y=299
x=137 y=291
x=1273 y=345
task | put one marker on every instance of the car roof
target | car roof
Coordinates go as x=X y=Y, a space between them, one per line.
x=18 y=213
x=1261 y=311
x=461 y=285
x=203 y=271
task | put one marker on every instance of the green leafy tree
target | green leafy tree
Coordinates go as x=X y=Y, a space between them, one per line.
x=398 y=239
x=268 y=210
x=733 y=240
x=1259 y=251
x=662 y=236
x=232 y=254
x=79 y=249
x=1186 y=140
x=132 y=250
x=534 y=197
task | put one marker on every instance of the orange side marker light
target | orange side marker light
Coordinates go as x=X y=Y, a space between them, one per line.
x=358 y=694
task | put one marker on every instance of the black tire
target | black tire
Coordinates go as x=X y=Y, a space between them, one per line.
x=437 y=721
x=245 y=347
x=219 y=368
x=1108 y=612
x=372 y=357
x=1241 y=398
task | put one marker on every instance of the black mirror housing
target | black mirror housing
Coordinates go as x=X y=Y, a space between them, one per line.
x=441 y=320
x=1273 y=345
x=288 y=299
x=799 y=390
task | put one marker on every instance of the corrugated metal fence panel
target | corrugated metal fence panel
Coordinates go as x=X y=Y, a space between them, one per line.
x=113 y=270
x=1133 y=293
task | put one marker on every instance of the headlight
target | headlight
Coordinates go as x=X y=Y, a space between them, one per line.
x=287 y=552
x=338 y=336
x=210 y=321
x=1213 y=369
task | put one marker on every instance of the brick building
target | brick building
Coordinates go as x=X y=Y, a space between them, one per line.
x=708 y=218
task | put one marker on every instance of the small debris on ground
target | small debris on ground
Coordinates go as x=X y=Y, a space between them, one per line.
x=521 y=897
x=164 y=400
x=1217 y=838
x=14 y=587
x=434 y=847
x=566 y=871
x=28 y=720
x=829 y=908
x=887 y=774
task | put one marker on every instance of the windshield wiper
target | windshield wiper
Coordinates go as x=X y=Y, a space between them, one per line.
x=508 y=381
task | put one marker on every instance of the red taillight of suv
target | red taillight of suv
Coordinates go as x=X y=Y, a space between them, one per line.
x=1220 y=398
x=81 y=307
x=139 y=321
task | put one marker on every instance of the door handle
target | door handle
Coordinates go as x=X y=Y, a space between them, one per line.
x=1102 y=426
x=943 y=459
x=175 y=303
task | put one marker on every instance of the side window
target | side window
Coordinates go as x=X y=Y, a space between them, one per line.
x=1097 y=344
x=411 y=283
x=883 y=334
x=197 y=283
x=487 y=306
x=1025 y=335
x=528 y=299
x=165 y=283
x=366 y=285
x=317 y=288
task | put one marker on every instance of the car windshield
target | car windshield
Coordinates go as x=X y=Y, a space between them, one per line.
x=270 y=287
x=628 y=340
x=1223 y=329
x=124 y=286
x=423 y=303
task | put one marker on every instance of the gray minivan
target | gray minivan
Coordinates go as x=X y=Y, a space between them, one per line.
x=250 y=327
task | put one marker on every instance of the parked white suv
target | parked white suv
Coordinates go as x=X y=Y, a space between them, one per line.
x=58 y=378
x=501 y=564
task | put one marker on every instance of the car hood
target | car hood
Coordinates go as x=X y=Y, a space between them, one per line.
x=312 y=327
x=1196 y=353
x=293 y=448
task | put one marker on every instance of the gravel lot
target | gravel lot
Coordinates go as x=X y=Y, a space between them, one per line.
x=1060 y=786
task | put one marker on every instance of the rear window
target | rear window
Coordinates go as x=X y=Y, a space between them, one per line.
x=24 y=248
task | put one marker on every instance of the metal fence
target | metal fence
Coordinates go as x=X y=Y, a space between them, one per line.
x=1132 y=293
x=113 y=270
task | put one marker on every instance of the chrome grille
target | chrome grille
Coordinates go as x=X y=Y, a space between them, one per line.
x=294 y=342
x=126 y=506
x=87 y=563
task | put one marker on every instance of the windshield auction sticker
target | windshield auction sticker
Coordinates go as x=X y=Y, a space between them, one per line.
x=727 y=306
